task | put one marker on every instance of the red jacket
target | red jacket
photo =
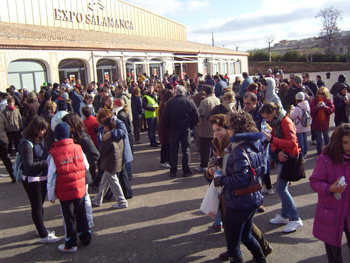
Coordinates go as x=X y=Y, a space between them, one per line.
x=90 y=124
x=70 y=168
x=289 y=141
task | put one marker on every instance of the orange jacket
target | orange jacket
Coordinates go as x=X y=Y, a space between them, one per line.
x=289 y=141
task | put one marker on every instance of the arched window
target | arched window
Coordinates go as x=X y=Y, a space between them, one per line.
x=73 y=69
x=107 y=69
x=131 y=67
x=29 y=74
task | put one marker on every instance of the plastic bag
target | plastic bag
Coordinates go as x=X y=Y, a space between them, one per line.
x=210 y=203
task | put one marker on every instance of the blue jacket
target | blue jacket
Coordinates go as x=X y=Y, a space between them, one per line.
x=238 y=172
x=244 y=85
x=136 y=107
x=76 y=99
x=118 y=133
x=219 y=88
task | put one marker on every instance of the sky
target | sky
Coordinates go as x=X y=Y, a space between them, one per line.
x=246 y=25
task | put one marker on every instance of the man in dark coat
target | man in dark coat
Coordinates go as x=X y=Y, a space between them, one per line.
x=180 y=115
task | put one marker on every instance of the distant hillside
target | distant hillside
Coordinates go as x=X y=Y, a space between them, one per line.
x=310 y=45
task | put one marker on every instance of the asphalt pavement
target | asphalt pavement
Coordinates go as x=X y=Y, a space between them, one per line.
x=162 y=223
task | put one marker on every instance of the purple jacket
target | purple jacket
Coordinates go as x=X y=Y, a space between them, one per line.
x=330 y=213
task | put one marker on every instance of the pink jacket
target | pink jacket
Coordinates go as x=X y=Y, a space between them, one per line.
x=330 y=213
x=329 y=109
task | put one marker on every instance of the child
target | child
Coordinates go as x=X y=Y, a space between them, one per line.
x=14 y=124
x=111 y=153
x=332 y=211
x=87 y=102
x=66 y=180
x=296 y=113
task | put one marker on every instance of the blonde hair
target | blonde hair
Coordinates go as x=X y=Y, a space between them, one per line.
x=323 y=90
x=51 y=106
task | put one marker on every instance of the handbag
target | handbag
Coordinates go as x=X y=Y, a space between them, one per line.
x=293 y=168
x=254 y=183
x=211 y=201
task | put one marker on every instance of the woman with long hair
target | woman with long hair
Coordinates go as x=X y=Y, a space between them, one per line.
x=321 y=109
x=79 y=136
x=283 y=140
x=244 y=156
x=163 y=131
x=332 y=210
x=33 y=151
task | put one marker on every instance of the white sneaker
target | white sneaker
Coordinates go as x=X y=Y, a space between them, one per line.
x=200 y=169
x=49 y=232
x=268 y=191
x=51 y=238
x=120 y=206
x=62 y=248
x=165 y=165
x=279 y=220
x=293 y=226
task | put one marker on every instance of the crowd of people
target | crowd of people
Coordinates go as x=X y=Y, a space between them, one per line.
x=73 y=138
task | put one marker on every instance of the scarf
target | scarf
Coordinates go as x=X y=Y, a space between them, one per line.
x=347 y=106
x=11 y=108
x=227 y=106
x=276 y=124
x=321 y=113
x=108 y=108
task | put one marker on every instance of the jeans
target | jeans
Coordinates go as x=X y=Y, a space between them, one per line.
x=36 y=192
x=152 y=127
x=319 y=139
x=13 y=138
x=238 y=229
x=178 y=135
x=289 y=210
x=302 y=140
x=217 y=219
x=165 y=153
x=137 y=128
x=88 y=207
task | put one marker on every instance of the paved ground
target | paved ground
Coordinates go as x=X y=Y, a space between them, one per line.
x=162 y=224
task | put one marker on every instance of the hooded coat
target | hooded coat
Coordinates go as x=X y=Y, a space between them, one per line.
x=270 y=93
x=296 y=114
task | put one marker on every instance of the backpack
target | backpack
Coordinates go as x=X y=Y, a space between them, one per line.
x=305 y=118
x=17 y=166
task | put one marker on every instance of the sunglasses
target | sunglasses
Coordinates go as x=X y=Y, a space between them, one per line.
x=320 y=93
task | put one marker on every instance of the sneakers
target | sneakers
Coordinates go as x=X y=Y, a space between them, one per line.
x=93 y=204
x=267 y=191
x=279 y=220
x=51 y=238
x=91 y=224
x=200 y=169
x=120 y=206
x=314 y=142
x=292 y=226
x=165 y=165
x=63 y=248
x=49 y=232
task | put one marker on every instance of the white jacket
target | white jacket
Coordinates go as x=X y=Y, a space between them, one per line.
x=57 y=118
x=296 y=114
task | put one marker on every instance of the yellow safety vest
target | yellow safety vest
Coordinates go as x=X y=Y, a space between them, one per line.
x=151 y=102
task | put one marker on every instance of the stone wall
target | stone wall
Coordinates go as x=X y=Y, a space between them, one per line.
x=297 y=67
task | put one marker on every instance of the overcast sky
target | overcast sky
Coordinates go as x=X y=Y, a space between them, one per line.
x=246 y=24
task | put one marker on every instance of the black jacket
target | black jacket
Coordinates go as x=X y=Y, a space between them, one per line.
x=312 y=86
x=90 y=151
x=180 y=112
x=292 y=91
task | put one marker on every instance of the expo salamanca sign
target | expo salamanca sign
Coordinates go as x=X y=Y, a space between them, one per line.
x=91 y=19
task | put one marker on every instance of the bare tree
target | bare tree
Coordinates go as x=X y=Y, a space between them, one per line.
x=237 y=47
x=330 y=17
x=269 y=41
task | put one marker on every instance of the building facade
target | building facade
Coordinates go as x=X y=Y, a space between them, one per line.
x=47 y=41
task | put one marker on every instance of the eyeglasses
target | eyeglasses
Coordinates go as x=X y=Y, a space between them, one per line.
x=304 y=77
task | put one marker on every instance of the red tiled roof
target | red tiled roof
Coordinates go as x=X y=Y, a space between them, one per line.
x=39 y=37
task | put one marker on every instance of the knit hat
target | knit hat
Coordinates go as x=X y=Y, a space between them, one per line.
x=32 y=95
x=61 y=105
x=62 y=131
x=65 y=96
x=118 y=103
x=298 y=79
x=300 y=96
